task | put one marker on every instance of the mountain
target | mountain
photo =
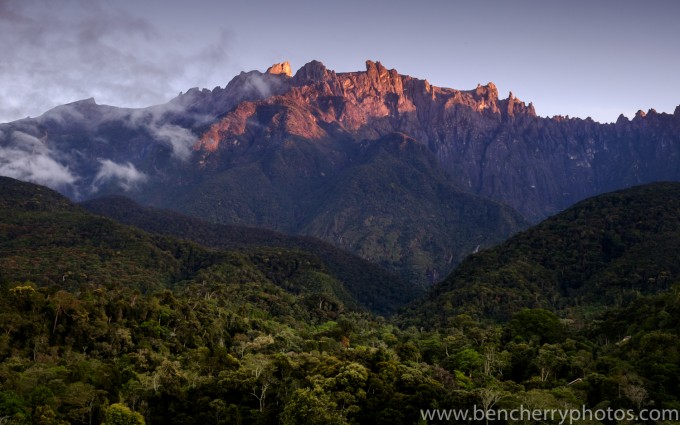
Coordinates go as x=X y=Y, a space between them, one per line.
x=602 y=253
x=497 y=148
x=390 y=204
x=307 y=152
x=376 y=289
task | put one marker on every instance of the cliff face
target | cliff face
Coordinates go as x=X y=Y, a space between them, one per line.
x=496 y=148
x=386 y=165
x=379 y=101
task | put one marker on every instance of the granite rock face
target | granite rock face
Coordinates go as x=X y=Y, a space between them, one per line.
x=282 y=68
x=496 y=148
x=407 y=174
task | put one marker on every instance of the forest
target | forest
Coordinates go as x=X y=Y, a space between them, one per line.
x=104 y=323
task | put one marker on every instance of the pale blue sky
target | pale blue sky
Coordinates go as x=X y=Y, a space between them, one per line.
x=578 y=58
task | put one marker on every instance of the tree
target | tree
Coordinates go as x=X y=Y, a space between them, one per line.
x=44 y=415
x=489 y=396
x=312 y=406
x=550 y=358
x=537 y=325
x=493 y=360
x=120 y=414
x=468 y=360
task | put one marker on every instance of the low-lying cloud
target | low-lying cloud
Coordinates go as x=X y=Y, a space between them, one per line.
x=125 y=175
x=153 y=120
x=178 y=138
x=27 y=158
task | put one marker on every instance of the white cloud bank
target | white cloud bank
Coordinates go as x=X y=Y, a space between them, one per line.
x=29 y=159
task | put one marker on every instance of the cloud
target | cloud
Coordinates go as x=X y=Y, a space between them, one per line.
x=259 y=83
x=154 y=121
x=64 y=51
x=126 y=175
x=29 y=159
x=180 y=139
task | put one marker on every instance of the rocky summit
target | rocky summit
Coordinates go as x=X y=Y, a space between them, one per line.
x=404 y=173
x=496 y=148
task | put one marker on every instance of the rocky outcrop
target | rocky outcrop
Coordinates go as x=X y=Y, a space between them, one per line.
x=379 y=101
x=282 y=68
x=496 y=148
x=313 y=72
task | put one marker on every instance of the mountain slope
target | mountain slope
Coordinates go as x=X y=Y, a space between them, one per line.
x=49 y=241
x=377 y=289
x=390 y=203
x=272 y=149
x=46 y=240
x=396 y=207
x=602 y=253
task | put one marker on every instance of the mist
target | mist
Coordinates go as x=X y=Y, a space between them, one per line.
x=27 y=158
x=126 y=176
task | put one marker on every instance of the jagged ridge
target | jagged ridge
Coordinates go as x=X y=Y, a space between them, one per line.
x=270 y=149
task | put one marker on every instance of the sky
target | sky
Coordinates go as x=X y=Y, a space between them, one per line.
x=579 y=58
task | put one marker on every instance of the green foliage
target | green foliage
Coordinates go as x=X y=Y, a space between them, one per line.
x=603 y=252
x=538 y=325
x=267 y=336
x=12 y=406
x=120 y=414
x=468 y=361
x=319 y=267
x=387 y=200
x=312 y=406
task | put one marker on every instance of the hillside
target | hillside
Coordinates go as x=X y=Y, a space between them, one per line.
x=287 y=151
x=49 y=241
x=52 y=243
x=377 y=289
x=391 y=205
x=601 y=253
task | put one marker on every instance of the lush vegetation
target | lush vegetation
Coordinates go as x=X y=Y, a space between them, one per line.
x=605 y=251
x=104 y=323
x=397 y=207
x=387 y=200
x=372 y=286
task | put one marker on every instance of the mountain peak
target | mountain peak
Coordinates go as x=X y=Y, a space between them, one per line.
x=376 y=70
x=374 y=65
x=622 y=119
x=312 y=71
x=280 y=68
x=88 y=101
x=82 y=102
x=489 y=91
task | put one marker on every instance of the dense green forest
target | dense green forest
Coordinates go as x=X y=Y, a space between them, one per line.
x=603 y=252
x=104 y=323
x=373 y=287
